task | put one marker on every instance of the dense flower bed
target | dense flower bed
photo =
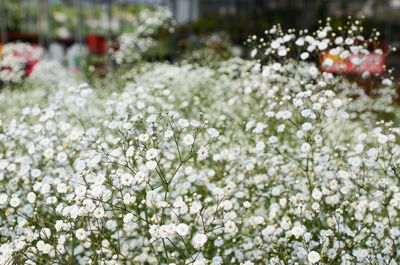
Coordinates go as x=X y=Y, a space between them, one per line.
x=249 y=162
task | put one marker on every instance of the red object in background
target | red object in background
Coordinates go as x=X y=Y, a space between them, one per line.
x=13 y=36
x=374 y=63
x=96 y=44
x=30 y=66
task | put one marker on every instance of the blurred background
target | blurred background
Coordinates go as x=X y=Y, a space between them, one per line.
x=58 y=25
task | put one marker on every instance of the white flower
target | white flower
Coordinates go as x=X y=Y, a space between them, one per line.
x=196 y=207
x=151 y=165
x=200 y=261
x=337 y=103
x=163 y=231
x=168 y=133
x=315 y=206
x=151 y=118
x=199 y=240
x=62 y=157
x=126 y=179
x=202 y=153
x=355 y=161
x=316 y=194
x=323 y=45
x=151 y=154
x=143 y=137
x=230 y=227
x=273 y=139
x=313 y=257
x=306 y=113
x=281 y=128
x=140 y=176
x=113 y=125
x=382 y=139
x=339 y=40
x=213 y=132
x=111 y=225
x=306 y=126
x=359 y=148
x=98 y=212
x=313 y=71
x=305 y=148
x=282 y=51
x=15 y=202
x=130 y=151
x=322 y=33
x=183 y=123
x=48 y=153
x=387 y=82
x=62 y=188
x=284 y=115
x=275 y=44
x=80 y=191
x=182 y=229
x=344 y=54
x=36 y=172
x=195 y=123
x=31 y=197
x=259 y=127
x=300 y=42
x=3 y=198
x=217 y=260
x=41 y=246
x=253 y=53
x=298 y=231
x=79 y=165
x=328 y=62
x=45 y=233
x=349 y=41
x=128 y=218
x=304 y=55
x=188 y=139
x=81 y=234
x=45 y=189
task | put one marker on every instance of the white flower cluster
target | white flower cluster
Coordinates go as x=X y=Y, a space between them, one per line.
x=49 y=71
x=146 y=26
x=238 y=164
x=14 y=59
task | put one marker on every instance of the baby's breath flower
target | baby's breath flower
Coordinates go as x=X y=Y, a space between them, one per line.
x=313 y=257
x=188 y=139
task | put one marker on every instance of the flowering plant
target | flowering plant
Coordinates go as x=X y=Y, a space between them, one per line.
x=145 y=36
x=209 y=50
x=244 y=163
x=17 y=60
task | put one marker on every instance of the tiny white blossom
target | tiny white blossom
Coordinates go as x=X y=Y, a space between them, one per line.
x=182 y=229
x=199 y=239
x=188 y=139
x=313 y=257
x=81 y=234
